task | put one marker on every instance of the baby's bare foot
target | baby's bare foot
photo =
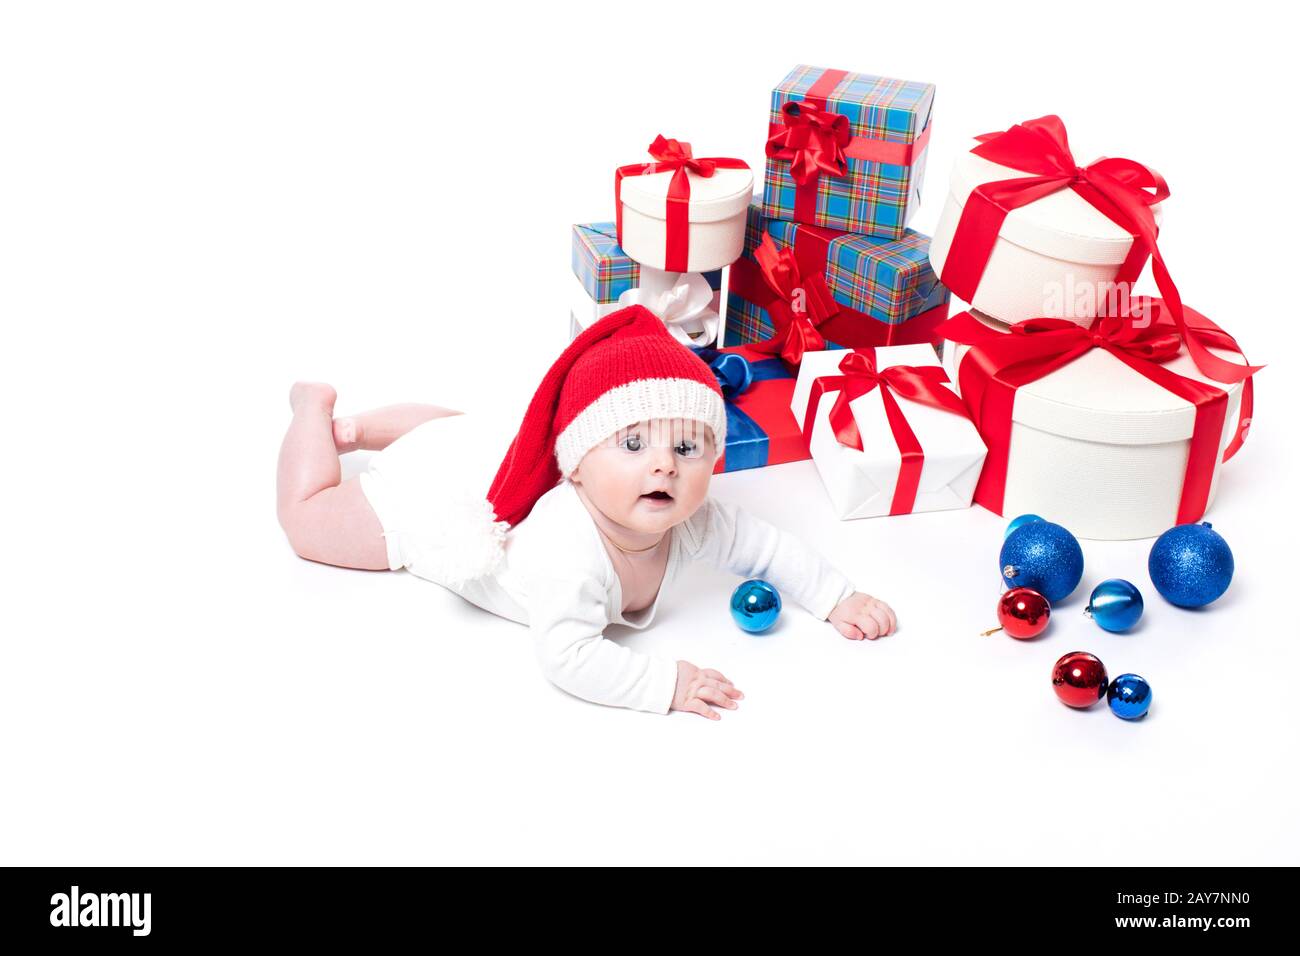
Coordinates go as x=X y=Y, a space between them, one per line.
x=347 y=435
x=312 y=395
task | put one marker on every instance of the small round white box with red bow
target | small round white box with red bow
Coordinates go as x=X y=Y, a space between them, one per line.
x=681 y=213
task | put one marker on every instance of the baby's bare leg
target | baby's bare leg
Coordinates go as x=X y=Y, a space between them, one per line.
x=377 y=429
x=325 y=521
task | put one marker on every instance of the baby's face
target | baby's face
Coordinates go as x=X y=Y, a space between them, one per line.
x=650 y=476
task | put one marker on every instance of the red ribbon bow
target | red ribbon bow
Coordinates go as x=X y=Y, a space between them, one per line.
x=998 y=363
x=801 y=304
x=1121 y=189
x=812 y=139
x=673 y=156
x=923 y=384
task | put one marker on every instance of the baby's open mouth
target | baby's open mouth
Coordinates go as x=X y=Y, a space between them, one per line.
x=659 y=496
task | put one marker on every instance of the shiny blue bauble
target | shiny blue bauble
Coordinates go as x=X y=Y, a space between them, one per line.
x=1129 y=696
x=1020 y=523
x=1043 y=556
x=1190 y=565
x=1116 y=605
x=755 y=605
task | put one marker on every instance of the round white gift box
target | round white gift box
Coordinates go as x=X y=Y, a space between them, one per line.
x=716 y=212
x=1056 y=257
x=1099 y=448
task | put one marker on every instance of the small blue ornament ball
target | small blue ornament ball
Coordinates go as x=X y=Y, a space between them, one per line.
x=1043 y=556
x=1129 y=696
x=1116 y=605
x=1190 y=565
x=1019 y=523
x=755 y=605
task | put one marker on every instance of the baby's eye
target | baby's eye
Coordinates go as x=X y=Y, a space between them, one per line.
x=631 y=443
x=689 y=449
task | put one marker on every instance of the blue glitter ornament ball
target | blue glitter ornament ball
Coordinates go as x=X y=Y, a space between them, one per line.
x=1116 y=605
x=1190 y=565
x=1129 y=696
x=1020 y=523
x=1043 y=556
x=755 y=605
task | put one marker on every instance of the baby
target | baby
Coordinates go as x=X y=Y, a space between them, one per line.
x=597 y=505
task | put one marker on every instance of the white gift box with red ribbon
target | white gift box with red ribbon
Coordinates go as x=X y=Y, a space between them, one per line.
x=865 y=483
x=1057 y=256
x=1099 y=448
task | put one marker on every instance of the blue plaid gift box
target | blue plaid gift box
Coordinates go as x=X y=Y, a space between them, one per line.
x=890 y=282
x=883 y=139
x=605 y=270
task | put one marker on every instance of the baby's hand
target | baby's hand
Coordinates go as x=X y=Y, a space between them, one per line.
x=860 y=615
x=695 y=686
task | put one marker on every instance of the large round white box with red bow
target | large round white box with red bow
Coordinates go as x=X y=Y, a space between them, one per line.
x=1098 y=447
x=1057 y=257
x=716 y=218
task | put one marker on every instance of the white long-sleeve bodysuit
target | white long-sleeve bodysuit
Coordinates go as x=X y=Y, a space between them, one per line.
x=558 y=579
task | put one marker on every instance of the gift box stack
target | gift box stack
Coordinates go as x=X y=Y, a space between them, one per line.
x=834 y=283
x=845 y=161
x=1103 y=410
x=823 y=260
x=1061 y=393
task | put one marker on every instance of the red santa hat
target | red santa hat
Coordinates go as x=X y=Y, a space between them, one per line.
x=624 y=369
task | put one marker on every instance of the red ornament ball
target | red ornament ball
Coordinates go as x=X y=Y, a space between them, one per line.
x=1079 y=679
x=1023 y=613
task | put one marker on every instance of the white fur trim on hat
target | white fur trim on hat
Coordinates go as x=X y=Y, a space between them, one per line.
x=640 y=401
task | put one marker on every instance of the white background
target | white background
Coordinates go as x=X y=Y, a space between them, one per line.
x=201 y=203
